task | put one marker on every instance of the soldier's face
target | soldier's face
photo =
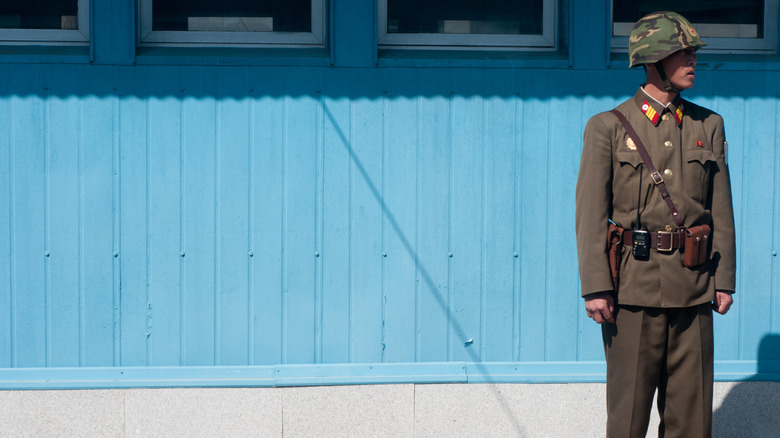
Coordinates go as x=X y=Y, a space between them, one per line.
x=680 y=67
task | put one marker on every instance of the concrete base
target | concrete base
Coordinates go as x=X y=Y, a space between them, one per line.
x=407 y=410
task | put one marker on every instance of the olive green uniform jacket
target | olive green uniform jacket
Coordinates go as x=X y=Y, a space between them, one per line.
x=688 y=148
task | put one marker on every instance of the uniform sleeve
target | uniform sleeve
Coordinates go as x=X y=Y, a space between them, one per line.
x=593 y=204
x=723 y=235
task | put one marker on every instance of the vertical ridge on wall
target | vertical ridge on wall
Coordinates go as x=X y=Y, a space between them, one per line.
x=433 y=244
x=563 y=305
x=384 y=222
x=401 y=202
x=250 y=232
x=116 y=210
x=133 y=226
x=28 y=260
x=6 y=226
x=756 y=252
x=366 y=214
x=46 y=232
x=517 y=209
x=268 y=242
x=96 y=194
x=335 y=219
x=232 y=189
x=319 y=226
x=467 y=219
x=182 y=237
x=535 y=200
x=774 y=299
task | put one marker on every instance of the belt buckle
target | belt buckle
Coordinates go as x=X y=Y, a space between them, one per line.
x=658 y=241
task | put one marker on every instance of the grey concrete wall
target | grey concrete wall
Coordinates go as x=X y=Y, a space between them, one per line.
x=442 y=410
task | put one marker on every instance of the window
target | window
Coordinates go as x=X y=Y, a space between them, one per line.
x=743 y=26
x=443 y=24
x=233 y=23
x=44 y=22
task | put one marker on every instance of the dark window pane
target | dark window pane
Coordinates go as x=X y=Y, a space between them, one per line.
x=39 y=14
x=232 y=15
x=500 y=17
x=696 y=11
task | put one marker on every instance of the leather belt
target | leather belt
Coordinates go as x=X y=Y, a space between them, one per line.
x=663 y=241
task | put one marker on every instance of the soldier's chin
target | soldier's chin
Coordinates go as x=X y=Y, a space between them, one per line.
x=684 y=84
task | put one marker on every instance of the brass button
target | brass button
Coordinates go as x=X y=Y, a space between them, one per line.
x=668 y=172
x=665 y=117
x=668 y=143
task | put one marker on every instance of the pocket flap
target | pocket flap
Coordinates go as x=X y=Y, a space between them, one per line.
x=631 y=158
x=700 y=155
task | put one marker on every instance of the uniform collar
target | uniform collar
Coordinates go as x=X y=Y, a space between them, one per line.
x=654 y=110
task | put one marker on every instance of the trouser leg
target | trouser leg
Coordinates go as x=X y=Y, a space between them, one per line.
x=634 y=348
x=685 y=388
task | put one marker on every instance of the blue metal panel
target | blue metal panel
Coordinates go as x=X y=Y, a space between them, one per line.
x=97 y=194
x=163 y=217
x=133 y=250
x=336 y=179
x=400 y=212
x=760 y=148
x=466 y=213
x=432 y=241
x=6 y=223
x=499 y=302
x=64 y=226
x=301 y=123
x=534 y=199
x=198 y=205
x=232 y=189
x=267 y=202
x=563 y=309
x=367 y=219
x=29 y=319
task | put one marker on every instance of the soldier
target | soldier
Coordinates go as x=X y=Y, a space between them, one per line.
x=657 y=330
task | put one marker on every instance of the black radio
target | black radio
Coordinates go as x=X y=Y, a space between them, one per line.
x=640 y=247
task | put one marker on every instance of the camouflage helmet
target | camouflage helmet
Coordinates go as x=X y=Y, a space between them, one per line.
x=658 y=35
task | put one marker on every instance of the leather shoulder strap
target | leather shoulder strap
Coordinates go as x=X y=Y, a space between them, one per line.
x=657 y=179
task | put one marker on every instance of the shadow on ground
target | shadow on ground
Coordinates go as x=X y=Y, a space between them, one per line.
x=752 y=408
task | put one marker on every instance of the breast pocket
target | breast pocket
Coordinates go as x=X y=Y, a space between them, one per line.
x=698 y=164
x=625 y=179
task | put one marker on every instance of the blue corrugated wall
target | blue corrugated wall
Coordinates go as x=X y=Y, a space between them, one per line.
x=166 y=225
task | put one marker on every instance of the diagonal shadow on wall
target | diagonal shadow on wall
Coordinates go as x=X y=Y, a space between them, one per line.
x=429 y=284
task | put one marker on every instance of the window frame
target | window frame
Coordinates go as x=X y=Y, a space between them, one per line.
x=314 y=39
x=715 y=45
x=53 y=37
x=547 y=41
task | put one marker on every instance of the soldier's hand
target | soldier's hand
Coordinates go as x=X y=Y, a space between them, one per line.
x=600 y=306
x=723 y=302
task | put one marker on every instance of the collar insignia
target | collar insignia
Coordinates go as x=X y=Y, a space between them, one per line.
x=650 y=112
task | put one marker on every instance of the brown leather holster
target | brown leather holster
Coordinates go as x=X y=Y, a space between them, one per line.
x=614 y=252
x=696 y=244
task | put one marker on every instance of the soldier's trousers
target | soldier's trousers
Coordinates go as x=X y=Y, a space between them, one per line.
x=667 y=349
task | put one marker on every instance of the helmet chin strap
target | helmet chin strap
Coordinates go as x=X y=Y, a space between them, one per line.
x=667 y=83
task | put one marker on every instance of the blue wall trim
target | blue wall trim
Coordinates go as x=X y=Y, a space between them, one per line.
x=342 y=374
